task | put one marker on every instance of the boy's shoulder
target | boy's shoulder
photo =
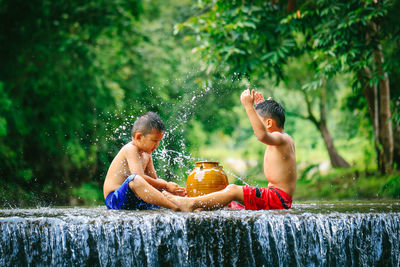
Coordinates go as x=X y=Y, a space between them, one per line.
x=283 y=135
x=288 y=137
x=129 y=147
x=285 y=139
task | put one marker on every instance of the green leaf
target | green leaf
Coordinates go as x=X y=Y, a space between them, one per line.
x=3 y=127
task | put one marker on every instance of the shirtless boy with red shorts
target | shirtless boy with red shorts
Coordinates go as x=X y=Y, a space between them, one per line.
x=267 y=120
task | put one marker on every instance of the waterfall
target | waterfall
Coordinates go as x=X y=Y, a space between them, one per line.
x=100 y=237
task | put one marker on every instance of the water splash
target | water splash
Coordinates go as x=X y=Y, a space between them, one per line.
x=237 y=177
x=170 y=164
x=173 y=160
x=188 y=164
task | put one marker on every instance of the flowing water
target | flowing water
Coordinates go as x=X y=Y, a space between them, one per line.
x=310 y=234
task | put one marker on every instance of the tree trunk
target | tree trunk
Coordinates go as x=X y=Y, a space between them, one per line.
x=378 y=100
x=371 y=95
x=396 y=140
x=336 y=160
x=385 y=127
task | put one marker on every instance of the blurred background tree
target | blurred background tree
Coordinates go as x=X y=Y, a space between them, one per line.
x=57 y=89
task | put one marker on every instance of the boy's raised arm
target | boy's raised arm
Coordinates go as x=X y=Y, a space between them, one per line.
x=259 y=128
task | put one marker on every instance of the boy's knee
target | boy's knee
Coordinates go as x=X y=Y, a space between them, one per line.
x=138 y=181
x=233 y=188
x=235 y=192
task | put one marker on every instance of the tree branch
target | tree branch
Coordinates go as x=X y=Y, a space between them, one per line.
x=322 y=101
x=294 y=114
x=309 y=109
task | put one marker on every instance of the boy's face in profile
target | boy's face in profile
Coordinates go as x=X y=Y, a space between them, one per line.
x=149 y=142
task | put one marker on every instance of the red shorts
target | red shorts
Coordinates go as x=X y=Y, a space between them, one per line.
x=270 y=198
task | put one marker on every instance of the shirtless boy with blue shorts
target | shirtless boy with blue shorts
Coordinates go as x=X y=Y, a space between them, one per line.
x=131 y=181
x=267 y=120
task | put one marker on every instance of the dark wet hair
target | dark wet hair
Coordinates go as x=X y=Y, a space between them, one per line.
x=272 y=109
x=146 y=123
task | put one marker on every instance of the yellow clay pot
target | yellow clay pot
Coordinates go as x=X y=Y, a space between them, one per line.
x=206 y=177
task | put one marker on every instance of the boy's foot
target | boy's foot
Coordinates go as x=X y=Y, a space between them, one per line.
x=184 y=203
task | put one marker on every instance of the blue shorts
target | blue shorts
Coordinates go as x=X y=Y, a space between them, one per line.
x=125 y=199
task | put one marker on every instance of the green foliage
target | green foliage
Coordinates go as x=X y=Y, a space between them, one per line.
x=5 y=105
x=57 y=89
x=246 y=35
x=88 y=193
x=343 y=31
x=348 y=184
x=13 y=195
x=392 y=186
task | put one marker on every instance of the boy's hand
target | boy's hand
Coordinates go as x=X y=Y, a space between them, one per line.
x=247 y=97
x=175 y=189
x=258 y=98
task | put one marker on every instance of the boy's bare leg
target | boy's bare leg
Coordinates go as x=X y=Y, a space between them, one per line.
x=149 y=194
x=211 y=201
